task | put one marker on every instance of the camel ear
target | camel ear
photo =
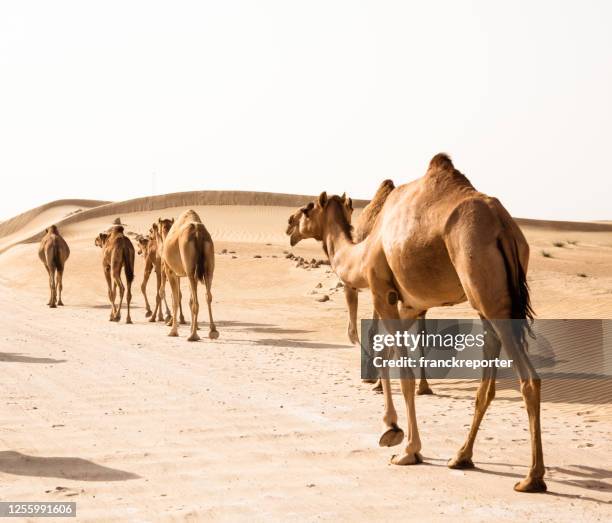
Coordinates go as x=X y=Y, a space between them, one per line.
x=323 y=199
x=349 y=203
x=172 y=221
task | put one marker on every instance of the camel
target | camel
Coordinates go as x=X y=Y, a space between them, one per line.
x=436 y=242
x=188 y=251
x=117 y=253
x=362 y=228
x=160 y=230
x=147 y=248
x=54 y=252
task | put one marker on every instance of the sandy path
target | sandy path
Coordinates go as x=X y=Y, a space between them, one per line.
x=137 y=426
x=271 y=422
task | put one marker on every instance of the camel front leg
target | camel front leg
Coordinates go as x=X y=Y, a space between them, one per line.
x=174 y=286
x=352 y=299
x=385 y=300
x=143 y=287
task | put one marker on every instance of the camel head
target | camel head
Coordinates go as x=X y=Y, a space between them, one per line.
x=309 y=221
x=143 y=242
x=101 y=239
x=163 y=226
x=52 y=230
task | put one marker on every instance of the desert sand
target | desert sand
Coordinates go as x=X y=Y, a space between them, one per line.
x=270 y=421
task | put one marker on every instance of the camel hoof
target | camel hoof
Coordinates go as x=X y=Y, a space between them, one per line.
x=128 y=321
x=412 y=458
x=391 y=437
x=213 y=334
x=148 y=314
x=369 y=380
x=167 y=318
x=182 y=321
x=152 y=319
x=193 y=337
x=461 y=463
x=378 y=386
x=353 y=337
x=424 y=391
x=173 y=334
x=531 y=485
x=60 y=303
x=53 y=306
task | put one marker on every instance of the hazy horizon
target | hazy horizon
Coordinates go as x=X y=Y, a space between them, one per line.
x=127 y=99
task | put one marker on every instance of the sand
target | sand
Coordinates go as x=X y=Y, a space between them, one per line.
x=270 y=421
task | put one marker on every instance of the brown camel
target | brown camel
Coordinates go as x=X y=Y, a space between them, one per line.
x=188 y=251
x=160 y=230
x=436 y=242
x=147 y=248
x=117 y=253
x=53 y=252
x=361 y=229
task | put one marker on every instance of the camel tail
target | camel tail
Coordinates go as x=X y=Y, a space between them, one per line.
x=57 y=259
x=128 y=264
x=521 y=310
x=200 y=244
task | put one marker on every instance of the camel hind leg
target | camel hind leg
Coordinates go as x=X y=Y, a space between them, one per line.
x=485 y=282
x=484 y=397
x=59 y=287
x=195 y=307
x=52 y=298
x=128 y=300
x=209 y=266
x=174 y=286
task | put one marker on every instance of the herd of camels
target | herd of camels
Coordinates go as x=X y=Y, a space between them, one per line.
x=432 y=242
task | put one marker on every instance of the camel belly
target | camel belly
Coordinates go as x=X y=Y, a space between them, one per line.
x=425 y=276
x=172 y=256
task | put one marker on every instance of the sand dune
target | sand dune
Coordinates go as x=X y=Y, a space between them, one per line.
x=270 y=422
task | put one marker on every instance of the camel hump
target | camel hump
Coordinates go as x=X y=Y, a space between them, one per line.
x=441 y=162
x=53 y=229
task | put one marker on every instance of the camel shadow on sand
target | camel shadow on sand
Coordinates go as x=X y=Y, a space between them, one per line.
x=581 y=476
x=79 y=469
x=15 y=357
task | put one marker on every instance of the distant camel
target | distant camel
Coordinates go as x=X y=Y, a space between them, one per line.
x=53 y=252
x=147 y=248
x=188 y=251
x=117 y=253
x=362 y=228
x=160 y=229
x=438 y=242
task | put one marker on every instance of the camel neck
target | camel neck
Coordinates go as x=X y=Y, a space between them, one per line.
x=344 y=256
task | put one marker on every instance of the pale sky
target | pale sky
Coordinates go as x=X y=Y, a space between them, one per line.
x=99 y=99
